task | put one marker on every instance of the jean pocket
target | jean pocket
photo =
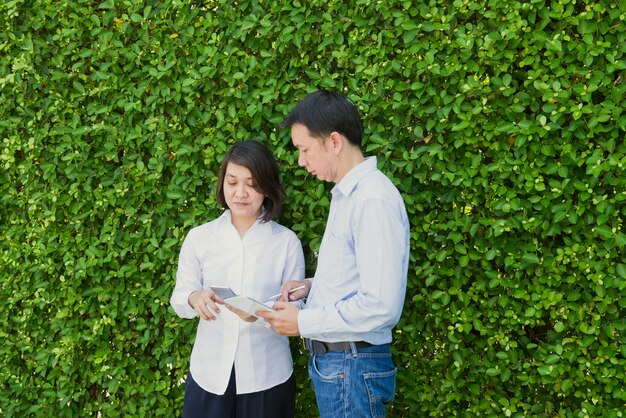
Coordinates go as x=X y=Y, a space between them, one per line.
x=381 y=387
x=328 y=366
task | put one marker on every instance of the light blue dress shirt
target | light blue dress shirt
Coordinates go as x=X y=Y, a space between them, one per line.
x=359 y=286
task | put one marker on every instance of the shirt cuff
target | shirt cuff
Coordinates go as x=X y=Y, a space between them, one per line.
x=180 y=303
x=307 y=322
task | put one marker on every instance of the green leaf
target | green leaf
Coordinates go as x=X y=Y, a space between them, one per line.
x=604 y=231
x=552 y=359
x=621 y=270
x=530 y=258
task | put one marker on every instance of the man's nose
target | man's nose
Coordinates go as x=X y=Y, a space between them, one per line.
x=301 y=160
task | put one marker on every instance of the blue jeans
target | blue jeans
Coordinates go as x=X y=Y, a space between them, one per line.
x=355 y=383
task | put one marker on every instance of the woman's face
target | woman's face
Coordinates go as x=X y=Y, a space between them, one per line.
x=243 y=200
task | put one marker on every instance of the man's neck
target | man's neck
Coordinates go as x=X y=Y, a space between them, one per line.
x=350 y=158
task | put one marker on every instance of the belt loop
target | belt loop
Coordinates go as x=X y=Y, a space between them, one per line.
x=353 y=348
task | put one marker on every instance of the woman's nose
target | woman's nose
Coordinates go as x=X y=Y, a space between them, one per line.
x=240 y=190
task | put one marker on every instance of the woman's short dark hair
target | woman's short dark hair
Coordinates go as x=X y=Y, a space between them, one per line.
x=324 y=112
x=257 y=158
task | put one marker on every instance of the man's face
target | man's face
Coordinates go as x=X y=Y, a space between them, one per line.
x=315 y=156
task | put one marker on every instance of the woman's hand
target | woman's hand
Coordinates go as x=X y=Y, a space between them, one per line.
x=204 y=302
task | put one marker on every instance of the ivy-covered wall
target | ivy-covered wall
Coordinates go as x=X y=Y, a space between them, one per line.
x=501 y=122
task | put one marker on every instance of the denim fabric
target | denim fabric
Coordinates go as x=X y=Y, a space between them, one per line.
x=355 y=383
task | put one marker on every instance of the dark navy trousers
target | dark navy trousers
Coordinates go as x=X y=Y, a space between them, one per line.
x=276 y=402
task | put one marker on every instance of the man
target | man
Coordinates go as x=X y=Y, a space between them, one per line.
x=356 y=296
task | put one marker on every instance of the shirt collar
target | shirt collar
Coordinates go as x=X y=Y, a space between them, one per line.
x=348 y=183
x=227 y=218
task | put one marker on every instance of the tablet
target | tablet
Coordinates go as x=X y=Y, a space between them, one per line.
x=243 y=303
x=248 y=305
x=223 y=292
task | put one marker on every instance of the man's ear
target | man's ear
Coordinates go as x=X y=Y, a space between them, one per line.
x=336 y=142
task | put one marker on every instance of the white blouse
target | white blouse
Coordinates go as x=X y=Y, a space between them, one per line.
x=255 y=266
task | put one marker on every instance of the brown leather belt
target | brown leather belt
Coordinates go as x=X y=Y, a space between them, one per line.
x=321 y=347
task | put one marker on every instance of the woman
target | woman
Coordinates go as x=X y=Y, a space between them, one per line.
x=239 y=368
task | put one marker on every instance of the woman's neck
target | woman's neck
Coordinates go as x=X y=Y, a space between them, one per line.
x=242 y=225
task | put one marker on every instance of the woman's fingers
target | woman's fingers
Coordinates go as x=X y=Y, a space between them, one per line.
x=204 y=304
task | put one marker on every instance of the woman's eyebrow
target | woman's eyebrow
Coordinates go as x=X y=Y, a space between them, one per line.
x=233 y=176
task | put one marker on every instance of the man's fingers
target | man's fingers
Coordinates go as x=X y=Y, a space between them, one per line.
x=280 y=305
x=264 y=314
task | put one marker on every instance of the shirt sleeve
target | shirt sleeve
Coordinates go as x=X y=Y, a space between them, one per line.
x=188 y=279
x=380 y=247
x=295 y=266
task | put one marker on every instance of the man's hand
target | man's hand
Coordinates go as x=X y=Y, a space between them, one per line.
x=284 y=321
x=288 y=292
x=205 y=303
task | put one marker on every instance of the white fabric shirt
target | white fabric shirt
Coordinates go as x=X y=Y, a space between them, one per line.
x=255 y=266
x=358 y=289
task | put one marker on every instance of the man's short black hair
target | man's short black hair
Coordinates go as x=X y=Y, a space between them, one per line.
x=324 y=112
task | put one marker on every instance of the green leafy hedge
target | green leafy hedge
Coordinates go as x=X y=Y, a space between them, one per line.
x=501 y=122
